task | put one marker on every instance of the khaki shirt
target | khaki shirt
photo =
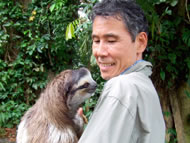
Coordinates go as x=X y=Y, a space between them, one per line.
x=128 y=111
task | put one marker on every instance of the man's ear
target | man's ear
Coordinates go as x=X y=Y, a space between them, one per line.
x=141 y=42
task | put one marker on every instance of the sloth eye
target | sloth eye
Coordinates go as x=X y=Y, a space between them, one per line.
x=85 y=85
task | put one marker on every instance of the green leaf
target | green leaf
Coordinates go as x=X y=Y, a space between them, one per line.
x=17 y=24
x=167 y=113
x=188 y=62
x=70 y=31
x=46 y=36
x=167 y=11
x=172 y=57
x=52 y=7
x=5 y=36
x=7 y=24
x=2 y=87
x=162 y=75
x=152 y=29
x=172 y=131
x=174 y=3
x=187 y=93
x=186 y=36
x=35 y=86
x=188 y=81
x=92 y=61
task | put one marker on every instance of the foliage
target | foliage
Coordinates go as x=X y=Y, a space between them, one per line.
x=47 y=36
x=32 y=45
x=168 y=52
x=11 y=111
x=173 y=134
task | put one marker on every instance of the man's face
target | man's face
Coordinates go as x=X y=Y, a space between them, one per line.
x=112 y=46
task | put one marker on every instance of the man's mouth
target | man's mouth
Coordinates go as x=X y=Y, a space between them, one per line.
x=107 y=65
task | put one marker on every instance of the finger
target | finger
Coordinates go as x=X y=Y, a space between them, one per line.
x=85 y=119
x=80 y=111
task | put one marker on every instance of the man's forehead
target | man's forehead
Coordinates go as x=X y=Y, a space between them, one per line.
x=114 y=16
x=101 y=22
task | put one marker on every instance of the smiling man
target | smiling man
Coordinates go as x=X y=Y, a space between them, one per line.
x=128 y=111
x=113 y=47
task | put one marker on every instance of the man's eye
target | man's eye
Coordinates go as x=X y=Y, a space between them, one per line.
x=111 y=41
x=96 y=41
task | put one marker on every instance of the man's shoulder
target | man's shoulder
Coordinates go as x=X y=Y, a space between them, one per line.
x=123 y=85
x=123 y=89
x=130 y=83
x=127 y=79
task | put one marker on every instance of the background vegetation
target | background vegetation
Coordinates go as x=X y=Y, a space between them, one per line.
x=40 y=38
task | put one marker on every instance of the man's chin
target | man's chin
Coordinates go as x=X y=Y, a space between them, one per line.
x=105 y=77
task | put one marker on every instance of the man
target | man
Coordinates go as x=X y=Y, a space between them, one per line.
x=128 y=110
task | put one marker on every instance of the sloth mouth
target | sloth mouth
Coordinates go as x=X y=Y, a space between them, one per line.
x=91 y=90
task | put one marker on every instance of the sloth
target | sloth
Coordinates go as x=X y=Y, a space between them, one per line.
x=54 y=118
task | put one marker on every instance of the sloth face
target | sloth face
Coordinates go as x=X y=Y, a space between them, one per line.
x=82 y=88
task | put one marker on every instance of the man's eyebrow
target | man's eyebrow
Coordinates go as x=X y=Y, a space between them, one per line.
x=111 y=35
x=106 y=35
x=94 y=36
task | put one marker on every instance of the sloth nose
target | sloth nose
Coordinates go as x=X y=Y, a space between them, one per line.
x=93 y=86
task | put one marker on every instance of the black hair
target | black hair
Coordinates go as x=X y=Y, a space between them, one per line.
x=130 y=12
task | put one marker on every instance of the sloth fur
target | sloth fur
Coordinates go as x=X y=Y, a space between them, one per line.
x=54 y=118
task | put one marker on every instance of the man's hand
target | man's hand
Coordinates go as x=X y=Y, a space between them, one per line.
x=80 y=112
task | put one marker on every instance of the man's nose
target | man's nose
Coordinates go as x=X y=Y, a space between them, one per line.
x=102 y=49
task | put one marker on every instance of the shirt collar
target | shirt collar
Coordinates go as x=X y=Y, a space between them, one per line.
x=140 y=65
